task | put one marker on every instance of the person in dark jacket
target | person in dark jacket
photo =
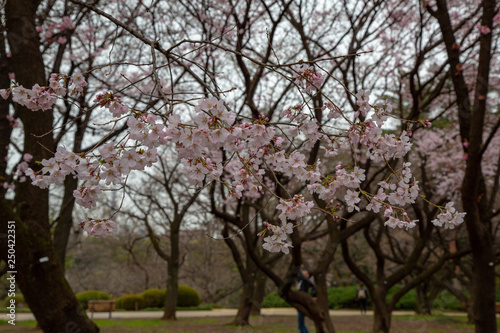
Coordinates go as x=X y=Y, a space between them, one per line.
x=362 y=297
x=306 y=286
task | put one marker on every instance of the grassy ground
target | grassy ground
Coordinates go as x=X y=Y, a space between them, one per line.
x=264 y=324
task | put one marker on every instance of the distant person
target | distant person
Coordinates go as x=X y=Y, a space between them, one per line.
x=306 y=286
x=362 y=297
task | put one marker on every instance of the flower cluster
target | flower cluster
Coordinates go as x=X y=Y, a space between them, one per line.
x=334 y=111
x=362 y=100
x=278 y=241
x=19 y=174
x=56 y=28
x=86 y=196
x=294 y=208
x=112 y=103
x=449 y=218
x=394 y=222
x=307 y=78
x=244 y=157
x=43 y=98
x=98 y=228
x=111 y=165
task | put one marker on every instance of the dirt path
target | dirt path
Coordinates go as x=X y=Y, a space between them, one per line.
x=222 y=313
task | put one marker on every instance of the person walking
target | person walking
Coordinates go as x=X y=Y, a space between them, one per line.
x=306 y=286
x=362 y=297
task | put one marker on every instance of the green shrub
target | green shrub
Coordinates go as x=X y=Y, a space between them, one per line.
x=196 y=308
x=187 y=296
x=345 y=298
x=272 y=300
x=91 y=295
x=153 y=298
x=19 y=299
x=447 y=301
x=163 y=296
x=342 y=297
x=407 y=302
x=128 y=302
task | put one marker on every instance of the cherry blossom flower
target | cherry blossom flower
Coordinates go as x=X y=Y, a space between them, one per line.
x=449 y=218
x=98 y=228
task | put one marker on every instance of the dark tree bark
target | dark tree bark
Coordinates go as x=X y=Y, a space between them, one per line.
x=65 y=220
x=43 y=284
x=247 y=273
x=424 y=305
x=474 y=195
x=173 y=264
x=381 y=313
x=173 y=278
x=259 y=293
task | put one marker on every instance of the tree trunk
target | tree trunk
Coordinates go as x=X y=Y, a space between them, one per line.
x=5 y=126
x=65 y=221
x=172 y=292
x=173 y=277
x=470 y=311
x=248 y=276
x=43 y=284
x=39 y=273
x=474 y=195
x=259 y=293
x=245 y=304
x=311 y=309
x=322 y=300
x=381 y=319
x=424 y=306
x=483 y=275
x=381 y=314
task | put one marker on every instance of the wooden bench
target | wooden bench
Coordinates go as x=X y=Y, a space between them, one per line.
x=101 y=306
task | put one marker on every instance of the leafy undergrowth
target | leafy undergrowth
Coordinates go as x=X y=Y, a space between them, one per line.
x=263 y=324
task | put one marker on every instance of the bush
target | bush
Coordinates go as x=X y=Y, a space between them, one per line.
x=407 y=302
x=201 y=307
x=19 y=299
x=128 y=302
x=153 y=298
x=447 y=301
x=342 y=297
x=91 y=295
x=187 y=296
x=272 y=300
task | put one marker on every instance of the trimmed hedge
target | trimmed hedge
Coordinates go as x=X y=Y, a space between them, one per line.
x=186 y=296
x=91 y=295
x=128 y=302
x=153 y=298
